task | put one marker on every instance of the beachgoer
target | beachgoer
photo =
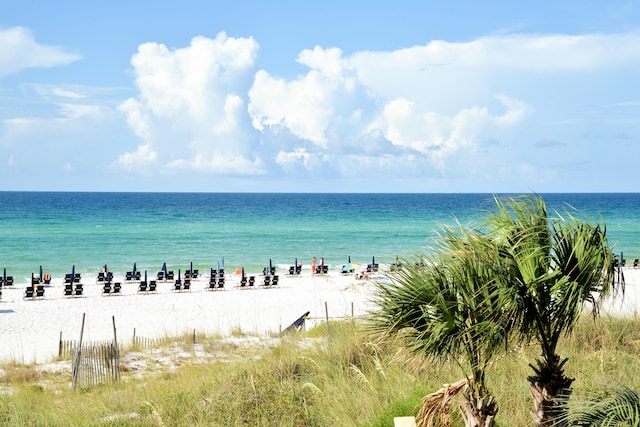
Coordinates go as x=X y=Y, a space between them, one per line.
x=313 y=266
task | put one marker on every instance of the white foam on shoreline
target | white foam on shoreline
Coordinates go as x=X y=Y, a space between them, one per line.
x=30 y=329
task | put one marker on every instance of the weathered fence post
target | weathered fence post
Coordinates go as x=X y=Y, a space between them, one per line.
x=78 y=352
x=326 y=313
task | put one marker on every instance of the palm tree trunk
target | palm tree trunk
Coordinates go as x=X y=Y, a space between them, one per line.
x=550 y=390
x=478 y=413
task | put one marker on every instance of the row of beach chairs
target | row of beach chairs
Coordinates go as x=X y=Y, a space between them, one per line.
x=73 y=289
x=250 y=281
x=322 y=269
x=34 y=291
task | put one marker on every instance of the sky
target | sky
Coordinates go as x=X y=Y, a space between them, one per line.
x=332 y=96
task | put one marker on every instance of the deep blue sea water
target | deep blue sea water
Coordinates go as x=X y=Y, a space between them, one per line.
x=58 y=230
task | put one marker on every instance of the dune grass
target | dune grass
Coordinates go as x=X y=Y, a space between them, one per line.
x=306 y=379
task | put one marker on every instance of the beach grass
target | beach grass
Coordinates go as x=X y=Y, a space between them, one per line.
x=306 y=379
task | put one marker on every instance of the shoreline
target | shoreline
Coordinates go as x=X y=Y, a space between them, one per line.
x=31 y=329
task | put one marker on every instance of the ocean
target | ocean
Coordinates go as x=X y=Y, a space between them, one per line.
x=58 y=230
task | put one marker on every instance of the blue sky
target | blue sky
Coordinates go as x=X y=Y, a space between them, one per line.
x=290 y=96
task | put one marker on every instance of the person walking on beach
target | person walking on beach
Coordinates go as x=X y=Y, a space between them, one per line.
x=313 y=266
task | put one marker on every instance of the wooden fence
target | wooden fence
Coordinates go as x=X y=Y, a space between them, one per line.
x=95 y=363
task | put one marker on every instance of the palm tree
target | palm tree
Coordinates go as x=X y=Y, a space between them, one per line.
x=522 y=273
x=556 y=265
x=447 y=307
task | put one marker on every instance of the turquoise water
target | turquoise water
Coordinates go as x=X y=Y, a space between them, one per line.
x=88 y=230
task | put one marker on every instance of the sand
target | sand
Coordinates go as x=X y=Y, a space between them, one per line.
x=30 y=329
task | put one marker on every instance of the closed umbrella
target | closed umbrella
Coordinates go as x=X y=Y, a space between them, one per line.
x=218 y=269
x=40 y=276
x=242 y=277
x=145 y=276
x=270 y=265
x=4 y=276
x=191 y=268
x=164 y=268
x=134 y=268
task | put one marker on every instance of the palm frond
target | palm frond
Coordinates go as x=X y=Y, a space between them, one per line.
x=615 y=406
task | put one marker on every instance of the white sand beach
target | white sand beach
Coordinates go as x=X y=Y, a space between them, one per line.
x=30 y=329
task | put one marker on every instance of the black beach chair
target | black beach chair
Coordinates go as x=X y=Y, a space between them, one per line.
x=221 y=282
x=267 y=281
x=28 y=292
x=152 y=286
x=68 y=289
x=116 y=287
x=274 y=281
x=252 y=280
x=187 y=284
x=142 y=287
x=106 y=288
x=79 y=289
x=40 y=291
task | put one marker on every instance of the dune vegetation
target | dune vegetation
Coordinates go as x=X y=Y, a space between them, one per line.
x=338 y=376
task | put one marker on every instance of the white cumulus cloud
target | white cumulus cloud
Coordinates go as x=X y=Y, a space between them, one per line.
x=191 y=107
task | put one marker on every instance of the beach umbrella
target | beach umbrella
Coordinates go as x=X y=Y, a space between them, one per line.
x=145 y=276
x=40 y=277
x=242 y=278
x=178 y=274
x=223 y=263
x=73 y=273
x=4 y=276
x=373 y=260
x=349 y=260
x=218 y=268
x=270 y=265
x=134 y=268
x=164 y=267
x=350 y=266
x=191 y=268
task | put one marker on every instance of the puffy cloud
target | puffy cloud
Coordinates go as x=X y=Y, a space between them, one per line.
x=19 y=50
x=326 y=95
x=191 y=107
x=442 y=109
